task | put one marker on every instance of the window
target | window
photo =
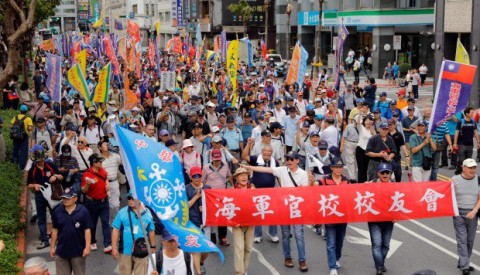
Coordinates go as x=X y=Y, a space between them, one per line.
x=349 y=5
x=366 y=4
x=167 y=16
x=152 y=8
x=135 y=9
x=408 y=3
x=146 y=9
x=160 y=16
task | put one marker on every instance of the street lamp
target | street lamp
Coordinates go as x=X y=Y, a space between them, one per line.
x=289 y=13
x=267 y=5
x=318 y=58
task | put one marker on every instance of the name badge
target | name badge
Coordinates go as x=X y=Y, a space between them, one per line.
x=135 y=229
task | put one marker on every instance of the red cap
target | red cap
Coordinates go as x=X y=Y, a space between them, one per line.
x=401 y=91
x=195 y=170
x=216 y=154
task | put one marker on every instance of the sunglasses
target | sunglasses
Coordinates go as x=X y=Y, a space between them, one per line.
x=197 y=176
x=290 y=159
x=80 y=142
x=322 y=149
x=129 y=198
x=385 y=173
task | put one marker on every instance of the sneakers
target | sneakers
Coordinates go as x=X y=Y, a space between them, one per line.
x=93 y=247
x=42 y=245
x=303 y=266
x=333 y=272
x=257 y=240
x=107 y=249
x=465 y=272
x=274 y=239
x=338 y=264
x=289 y=262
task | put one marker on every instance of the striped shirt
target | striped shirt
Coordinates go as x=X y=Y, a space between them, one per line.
x=439 y=134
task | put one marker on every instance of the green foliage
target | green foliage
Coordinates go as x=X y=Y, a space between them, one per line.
x=10 y=209
x=241 y=9
x=404 y=67
x=44 y=9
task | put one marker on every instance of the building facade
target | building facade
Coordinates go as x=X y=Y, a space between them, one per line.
x=65 y=18
x=458 y=19
x=372 y=25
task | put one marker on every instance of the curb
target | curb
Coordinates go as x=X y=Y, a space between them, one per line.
x=21 y=236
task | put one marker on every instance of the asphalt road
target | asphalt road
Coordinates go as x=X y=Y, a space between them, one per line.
x=416 y=245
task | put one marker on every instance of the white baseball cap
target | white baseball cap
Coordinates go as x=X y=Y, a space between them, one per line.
x=469 y=163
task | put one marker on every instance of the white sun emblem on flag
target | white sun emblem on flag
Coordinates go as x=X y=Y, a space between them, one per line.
x=162 y=194
x=451 y=67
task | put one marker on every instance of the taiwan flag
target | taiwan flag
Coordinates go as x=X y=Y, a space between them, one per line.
x=452 y=92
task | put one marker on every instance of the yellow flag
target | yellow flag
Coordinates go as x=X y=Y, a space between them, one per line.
x=232 y=64
x=157 y=27
x=77 y=81
x=101 y=90
x=462 y=54
x=81 y=58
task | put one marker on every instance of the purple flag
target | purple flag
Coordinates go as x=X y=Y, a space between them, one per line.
x=342 y=36
x=54 y=76
x=452 y=92
x=223 y=45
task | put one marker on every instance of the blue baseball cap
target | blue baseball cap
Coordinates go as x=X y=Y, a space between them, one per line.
x=376 y=110
x=23 y=108
x=319 y=117
x=292 y=154
x=384 y=167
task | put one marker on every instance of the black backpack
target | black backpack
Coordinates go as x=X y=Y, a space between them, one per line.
x=17 y=132
x=186 y=255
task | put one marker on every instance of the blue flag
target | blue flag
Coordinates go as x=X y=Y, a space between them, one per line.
x=302 y=66
x=156 y=179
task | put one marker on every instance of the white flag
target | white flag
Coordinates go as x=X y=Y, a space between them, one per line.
x=314 y=162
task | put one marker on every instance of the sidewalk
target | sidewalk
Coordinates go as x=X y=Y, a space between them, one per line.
x=381 y=83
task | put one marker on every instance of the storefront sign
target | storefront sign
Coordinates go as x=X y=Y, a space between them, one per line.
x=328 y=204
x=370 y=18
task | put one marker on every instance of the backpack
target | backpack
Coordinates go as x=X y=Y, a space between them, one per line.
x=17 y=132
x=186 y=255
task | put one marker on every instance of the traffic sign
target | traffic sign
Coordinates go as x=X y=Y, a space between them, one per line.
x=397 y=42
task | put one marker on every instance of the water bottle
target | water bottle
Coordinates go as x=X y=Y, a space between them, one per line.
x=69 y=176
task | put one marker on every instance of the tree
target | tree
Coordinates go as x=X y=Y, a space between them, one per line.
x=18 y=19
x=243 y=10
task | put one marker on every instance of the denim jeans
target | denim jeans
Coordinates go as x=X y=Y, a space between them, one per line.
x=42 y=205
x=20 y=152
x=380 y=235
x=335 y=234
x=272 y=230
x=98 y=209
x=298 y=233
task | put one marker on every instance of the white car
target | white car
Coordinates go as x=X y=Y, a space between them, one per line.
x=277 y=59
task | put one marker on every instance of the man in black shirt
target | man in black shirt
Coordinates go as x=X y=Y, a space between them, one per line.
x=400 y=145
x=380 y=148
x=249 y=104
x=463 y=140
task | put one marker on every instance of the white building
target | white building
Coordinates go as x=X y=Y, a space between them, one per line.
x=65 y=16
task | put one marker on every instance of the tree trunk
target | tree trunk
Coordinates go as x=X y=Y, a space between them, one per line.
x=16 y=26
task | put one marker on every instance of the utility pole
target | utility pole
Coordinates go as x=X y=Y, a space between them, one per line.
x=267 y=6
x=318 y=58
x=289 y=13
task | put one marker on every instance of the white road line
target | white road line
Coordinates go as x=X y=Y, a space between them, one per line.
x=262 y=260
x=440 y=234
x=444 y=250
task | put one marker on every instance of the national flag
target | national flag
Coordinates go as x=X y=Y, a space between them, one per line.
x=54 y=76
x=263 y=47
x=133 y=30
x=342 y=36
x=76 y=79
x=81 y=58
x=103 y=85
x=47 y=45
x=461 y=55
x=156 y=179
x=117 y=24
x=452 y=92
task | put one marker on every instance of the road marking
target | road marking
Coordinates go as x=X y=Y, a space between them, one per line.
x=440 y=234
x=262 y=260
x=446 y=251
x=394 y=244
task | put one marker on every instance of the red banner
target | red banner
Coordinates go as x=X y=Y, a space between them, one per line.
x=133 y=30
x=111 y=54
x=328 y=204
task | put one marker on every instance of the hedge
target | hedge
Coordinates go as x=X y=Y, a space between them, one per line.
x=10 y=210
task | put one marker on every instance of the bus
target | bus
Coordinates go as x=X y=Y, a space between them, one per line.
x=45 y=34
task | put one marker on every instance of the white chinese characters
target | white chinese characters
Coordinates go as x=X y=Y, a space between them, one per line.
x=228 y=209
x=364 y=203
x=398 y=204
x=293 y=204
x=430 y=197
x=329 y=204
x=262 y=204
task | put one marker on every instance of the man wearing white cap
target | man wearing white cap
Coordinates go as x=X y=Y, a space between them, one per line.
x=467 y=192
x=211 y=114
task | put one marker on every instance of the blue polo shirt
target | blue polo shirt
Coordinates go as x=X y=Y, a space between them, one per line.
x=262 y=180
x=233 y=138
x=71 y=230
x=194 y=213
x=122 y=223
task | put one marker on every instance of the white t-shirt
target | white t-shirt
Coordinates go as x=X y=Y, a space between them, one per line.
x=111 y=165
x=279 y=115
x=175 y=265
x=300 y=176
